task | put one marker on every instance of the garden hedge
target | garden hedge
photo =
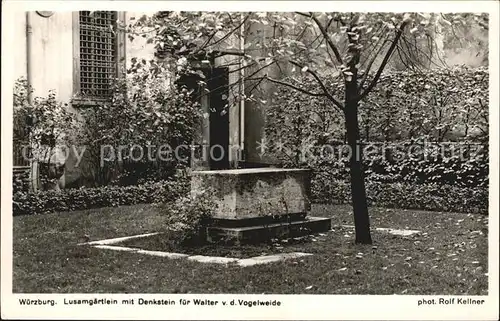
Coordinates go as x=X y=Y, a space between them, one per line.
x=430 y=197
x=25 y=203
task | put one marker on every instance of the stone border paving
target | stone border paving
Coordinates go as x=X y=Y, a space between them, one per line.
x=104 y=244
x=265 y=259
x=118 y=239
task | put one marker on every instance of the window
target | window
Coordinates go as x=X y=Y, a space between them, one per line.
x=97 y=51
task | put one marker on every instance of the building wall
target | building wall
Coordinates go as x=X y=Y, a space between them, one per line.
x=52 y=50
x=19 y=47
x=256 y=35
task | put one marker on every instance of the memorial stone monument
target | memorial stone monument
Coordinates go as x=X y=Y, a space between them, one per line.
x=257 y=204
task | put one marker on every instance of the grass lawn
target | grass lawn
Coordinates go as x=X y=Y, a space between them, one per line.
x=450 y=256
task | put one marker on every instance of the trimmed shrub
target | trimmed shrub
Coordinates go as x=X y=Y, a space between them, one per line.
x=436 y=105
x=87 y=198
x=430 y=168
x=430 y=197
x=436 y=110
x=440 y=163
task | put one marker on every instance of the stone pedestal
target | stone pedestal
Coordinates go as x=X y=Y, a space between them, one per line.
x=259 y=203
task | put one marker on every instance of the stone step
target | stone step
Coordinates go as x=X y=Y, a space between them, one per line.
x=260 y=233
x=261 y=220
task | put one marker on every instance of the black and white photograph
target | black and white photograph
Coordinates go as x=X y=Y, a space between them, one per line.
x=207 y=160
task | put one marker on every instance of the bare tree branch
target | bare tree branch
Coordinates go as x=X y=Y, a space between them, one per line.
x=399 y=33
x=241 y=79
x=205 y=44
x=329 y=23
x=416 y=50
x=325 y=35
x=233 y=30
x=255 y=86
x=320 y=82
x=279 y=82
x=369 y=66
x=220 y=53
x=328 y=39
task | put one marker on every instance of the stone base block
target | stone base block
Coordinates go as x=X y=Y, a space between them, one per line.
x=242 y=194
x=260 y=233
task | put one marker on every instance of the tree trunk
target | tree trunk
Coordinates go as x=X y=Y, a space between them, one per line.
x=358 y=192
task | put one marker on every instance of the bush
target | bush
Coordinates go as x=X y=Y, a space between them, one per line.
x=431 y=168
x=42 y=128
x=435 y=105
x=187 y=217
x=21 y=180
x=430 y=197
x=407 y=109
x=148 y=116
x=439 y=104
x=452 y=170
x=86 y=198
